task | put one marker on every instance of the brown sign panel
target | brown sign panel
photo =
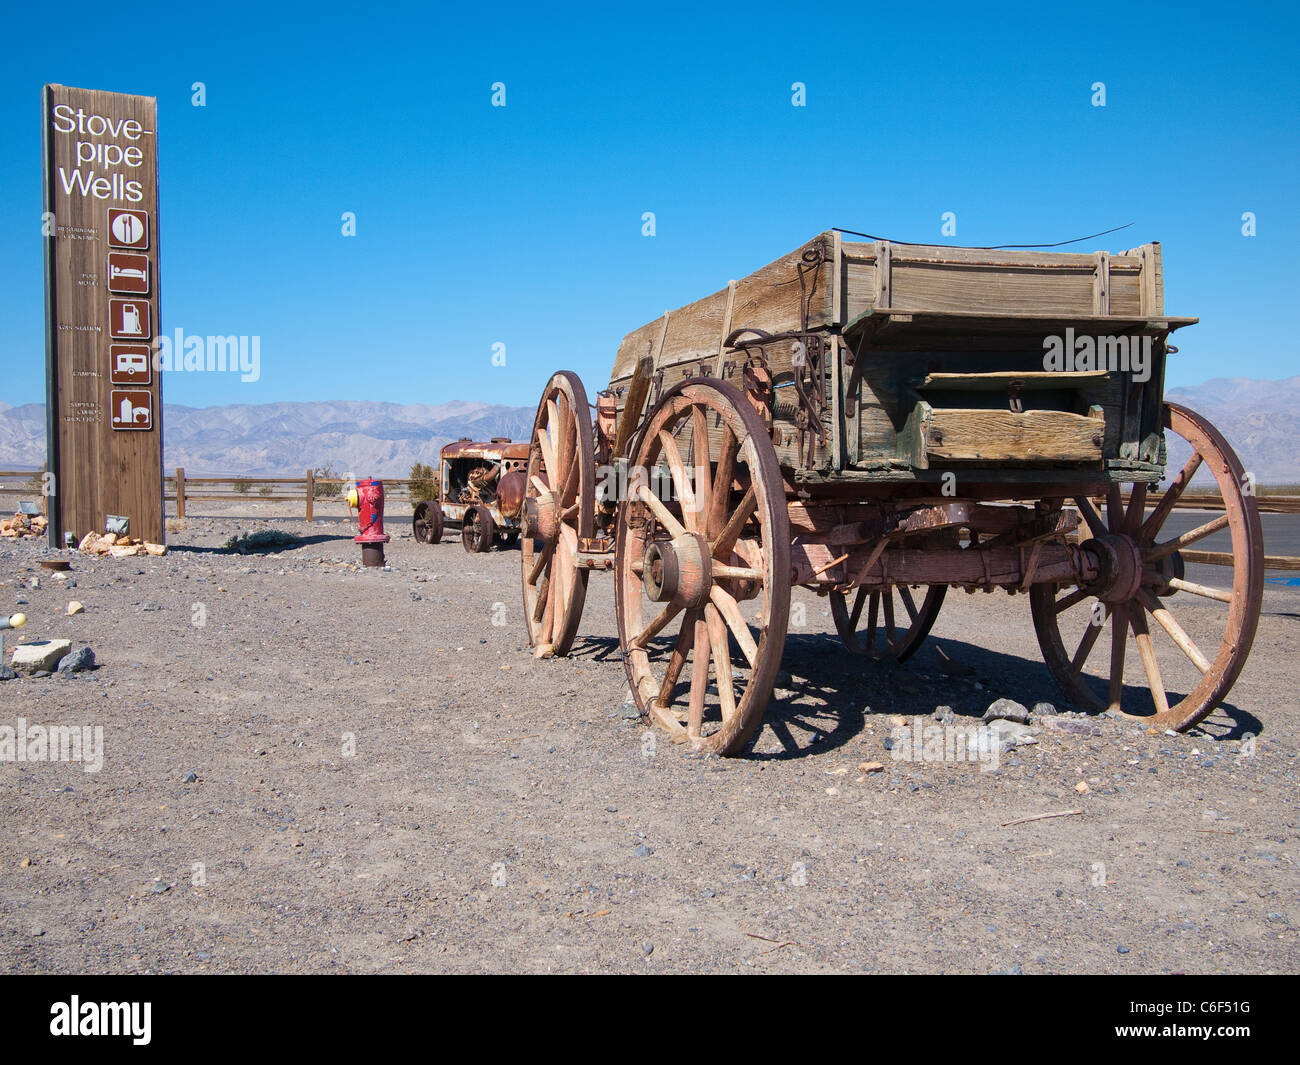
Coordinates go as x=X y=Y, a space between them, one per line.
x=128 y=273
x=131 y=410
x=104 y=402
x=130 y=364
x=128 y=229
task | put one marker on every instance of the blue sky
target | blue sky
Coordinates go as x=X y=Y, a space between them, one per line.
x=522 y=225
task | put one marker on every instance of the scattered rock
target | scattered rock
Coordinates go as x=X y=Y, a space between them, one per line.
x=74 y=607
x=1121 y=950
x=642 y=851
x=871 y=767
x=1042 y=709
x=191 y=777
x=1013 y=970
x=6 y=673
x=1068 y=726
x=1010 y=734
x=1082 y=787
x=81 y=659
x=39 y=655
x=1007 y=710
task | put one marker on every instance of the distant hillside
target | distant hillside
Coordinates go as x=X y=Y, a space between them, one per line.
x=1261 y=419
x=266 y=439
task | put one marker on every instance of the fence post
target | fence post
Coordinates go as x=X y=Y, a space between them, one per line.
x=180 y=491
x=311 y=494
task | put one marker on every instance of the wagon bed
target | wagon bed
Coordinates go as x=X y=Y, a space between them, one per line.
x=914 y=354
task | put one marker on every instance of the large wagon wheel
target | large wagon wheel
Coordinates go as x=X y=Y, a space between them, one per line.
x=1141 y=574
x=701 y=565
x=426 y=524
x=888 y=630
x=559 y=509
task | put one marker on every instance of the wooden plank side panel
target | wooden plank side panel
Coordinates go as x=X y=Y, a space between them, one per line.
x=769 y=298
x=1007 y=436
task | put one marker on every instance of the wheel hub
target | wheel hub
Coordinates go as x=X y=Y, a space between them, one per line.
x=678 y=570
x=541 y=517
x=1119 y=562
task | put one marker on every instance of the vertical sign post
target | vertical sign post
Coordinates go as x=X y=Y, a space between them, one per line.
x=103 y=392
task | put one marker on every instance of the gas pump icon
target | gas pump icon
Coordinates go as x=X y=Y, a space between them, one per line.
x=129 y=320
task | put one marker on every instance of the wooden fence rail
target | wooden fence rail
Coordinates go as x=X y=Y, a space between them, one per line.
x=312 y=490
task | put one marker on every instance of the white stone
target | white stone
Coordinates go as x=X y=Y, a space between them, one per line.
x=40 y=654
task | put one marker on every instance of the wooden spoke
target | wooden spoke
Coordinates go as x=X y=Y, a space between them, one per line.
x=858 y=601
x=1167 y=622
x=888 y=597
x=685 y=496
x=1095 y=525
x=548 y=454
x=735 y=524
x=1138 y=622
x=739 y=573
x=1073 y=599
x=670 y=611
x=720 y=645
x=699 y=677
x=540 y=564
x=1090 y=635
x=685 y=637
x=873 y=610
x=1203 y=590
x=661 y=512
x=721 y=488
x=1156 y=518
x=1114 y=509
x=1136 y=509
x=735 y=620
x=703 y=469
x=908 y=602
x=1118 y=645
x=1159 y=551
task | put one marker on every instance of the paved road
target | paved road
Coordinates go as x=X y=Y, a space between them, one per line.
x=1281 y=537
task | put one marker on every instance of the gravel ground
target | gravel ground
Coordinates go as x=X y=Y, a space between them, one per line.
x=344 y=770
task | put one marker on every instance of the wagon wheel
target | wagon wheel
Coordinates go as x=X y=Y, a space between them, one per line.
x=1142 y=579
x=426 y=525
x=889 y=629
x=477 y=530
x=559 y=510
x=705 y=565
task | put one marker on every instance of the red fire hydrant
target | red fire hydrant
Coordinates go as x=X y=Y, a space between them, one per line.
x=368 y=498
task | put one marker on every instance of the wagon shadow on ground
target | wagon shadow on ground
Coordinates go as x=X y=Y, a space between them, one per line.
x=825 y=695
x=269 y=549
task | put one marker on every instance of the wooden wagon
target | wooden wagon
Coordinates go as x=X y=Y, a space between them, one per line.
x=880 y=422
